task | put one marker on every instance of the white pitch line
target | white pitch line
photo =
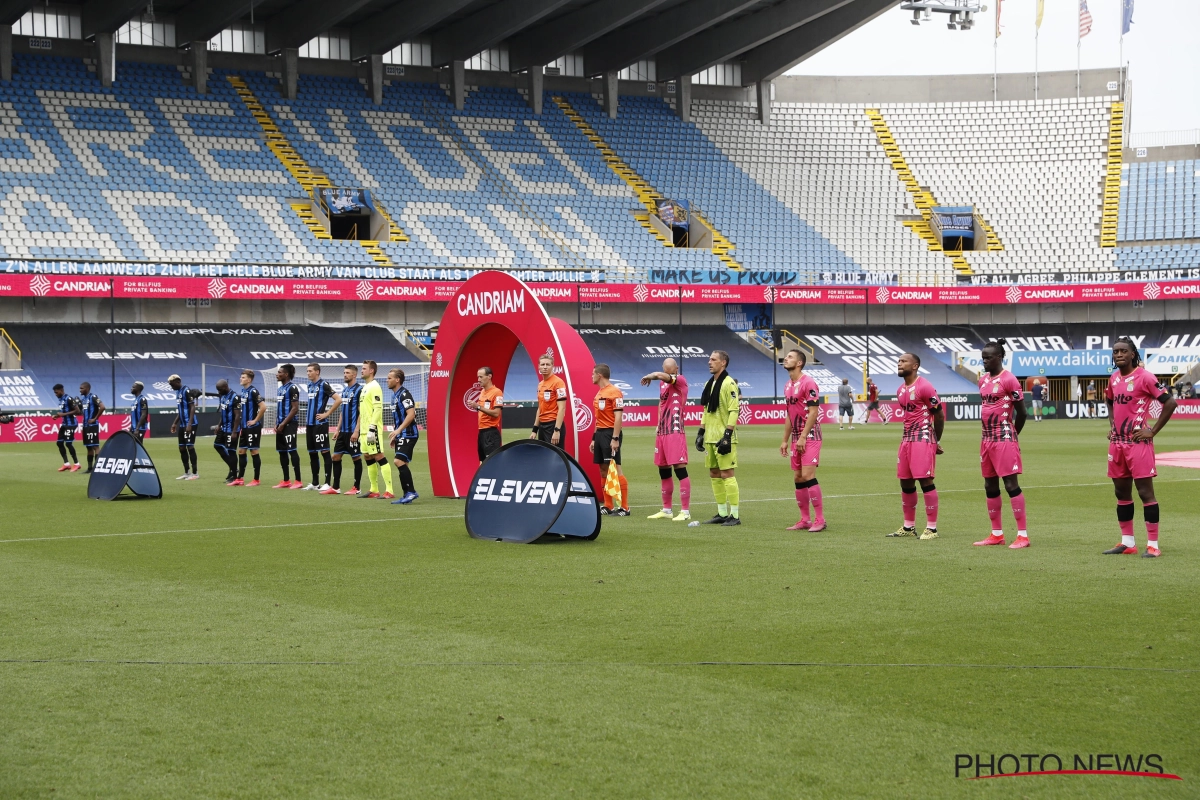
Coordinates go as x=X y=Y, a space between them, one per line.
x=231 y=528
x=459 y=516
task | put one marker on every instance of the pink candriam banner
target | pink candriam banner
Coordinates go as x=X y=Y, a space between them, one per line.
x=383 y=291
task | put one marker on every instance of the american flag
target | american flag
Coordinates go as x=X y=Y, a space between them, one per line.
x=1085 y=19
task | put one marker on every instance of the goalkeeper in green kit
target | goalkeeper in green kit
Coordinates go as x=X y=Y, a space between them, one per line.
x=371 y=434
x=717 y=438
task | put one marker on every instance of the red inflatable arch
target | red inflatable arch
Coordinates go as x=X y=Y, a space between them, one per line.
x=490 y=315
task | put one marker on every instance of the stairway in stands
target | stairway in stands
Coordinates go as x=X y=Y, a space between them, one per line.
x=311 y=180
x=647 y=195
x=923 y=199
x=1112 y=176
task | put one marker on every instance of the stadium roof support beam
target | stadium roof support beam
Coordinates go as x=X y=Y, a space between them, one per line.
x=463 y=39
x=106 y=16
x=723 y=42
x=13 y=10
x=202 y=20
x=648 y=36
x=768 y=61
x=297 y=24
x=539 y=46
x=381 y=32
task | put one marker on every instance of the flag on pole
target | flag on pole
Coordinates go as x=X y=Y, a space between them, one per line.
x=1085 y=19
x=612 y=483
x=999 y=3
x=1126 y=16
x=1041 y=9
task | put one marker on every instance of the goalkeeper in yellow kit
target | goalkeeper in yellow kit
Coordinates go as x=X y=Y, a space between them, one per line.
x=370 y=433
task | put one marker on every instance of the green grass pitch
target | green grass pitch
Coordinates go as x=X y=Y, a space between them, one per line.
x=229 y=642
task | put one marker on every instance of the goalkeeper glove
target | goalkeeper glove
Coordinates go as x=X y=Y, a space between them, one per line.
x=725 y=446
x=700 y=440
x=372 y=435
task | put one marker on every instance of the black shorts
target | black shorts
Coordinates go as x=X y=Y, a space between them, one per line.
x=285 y=438
x=187 y=439
x=224 y=441
x=346 y=447
x=489 y=442
x=250 y=438
x=66 y=433
x=404 y=448
x=545 y=430
x=317 y=437
x=602 y=452
x=91 y=435
x=873 y=405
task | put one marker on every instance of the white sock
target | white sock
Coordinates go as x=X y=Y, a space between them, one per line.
x=1128 y=541
x=998 y=534
x=666 y=510
x=1022 y=534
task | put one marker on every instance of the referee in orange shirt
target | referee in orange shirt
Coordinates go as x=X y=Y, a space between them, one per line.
x=491 y=397
x=552 y=404
x=606 y=441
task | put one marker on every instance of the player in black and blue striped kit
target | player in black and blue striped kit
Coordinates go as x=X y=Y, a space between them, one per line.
x=68 y=409
x=90 y=409
x=405 y=435
x=185 y=425
x=287 y=425
x=139 y=413
x=317 y=427
x=347 y=441
x=253 y=409
x=225 y=442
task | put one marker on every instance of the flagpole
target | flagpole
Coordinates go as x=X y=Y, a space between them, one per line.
x=1078 y=45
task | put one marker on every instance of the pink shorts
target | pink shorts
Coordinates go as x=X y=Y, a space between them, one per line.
x=999 y=459
x=670 y=449
x=916 y=460
x=1131 y=460
x=811 y=457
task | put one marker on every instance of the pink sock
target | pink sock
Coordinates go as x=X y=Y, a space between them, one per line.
x=1151 y=527
x=1126 y=524
x=1018 y=507
x=909 y=501
x=931 y=504
x=685 y=493
x=802 y=502
x=668 y=489
x=995 y=507
x=818 y=504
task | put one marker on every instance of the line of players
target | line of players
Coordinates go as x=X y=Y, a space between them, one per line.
x=1131 y=463
x=360 y=432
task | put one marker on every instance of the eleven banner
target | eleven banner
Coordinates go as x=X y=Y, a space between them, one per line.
x=124 y=287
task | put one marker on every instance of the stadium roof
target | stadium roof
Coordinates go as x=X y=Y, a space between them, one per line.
x=683 y=36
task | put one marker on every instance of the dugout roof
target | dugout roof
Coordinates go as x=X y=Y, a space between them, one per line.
x=683 y=36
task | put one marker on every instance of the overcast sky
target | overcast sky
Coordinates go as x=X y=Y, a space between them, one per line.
x=1162 y=50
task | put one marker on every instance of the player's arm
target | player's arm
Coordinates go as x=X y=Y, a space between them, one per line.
x=337 y=401
x=814 y=411
x=492 y=412
x=99 y=409
x=939 y=424
x=787 y=436
x=262 y=411
x=295 y=408
x=657 y=376
x=556 y=436
x=191 y=411
x=616 y=437
x=1168 y=408
x=1021 y=415
x=175 y=423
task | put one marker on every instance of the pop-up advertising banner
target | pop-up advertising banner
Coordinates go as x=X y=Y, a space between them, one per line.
x=527 y=489
x=124 y=462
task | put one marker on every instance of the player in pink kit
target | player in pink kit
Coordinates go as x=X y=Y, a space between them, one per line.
x=1131 y=390
x=999 y=454
x=802 y=438
x=670 y=442
x=924 y=419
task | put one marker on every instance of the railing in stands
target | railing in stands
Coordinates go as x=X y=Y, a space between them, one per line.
x=8 y=345
x=1183 y=138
